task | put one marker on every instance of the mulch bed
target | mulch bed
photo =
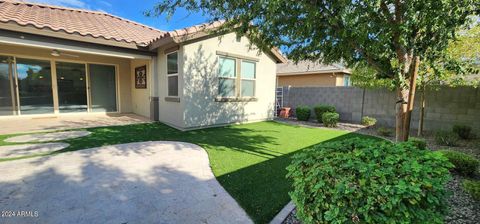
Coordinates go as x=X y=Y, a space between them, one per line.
x=463 y=208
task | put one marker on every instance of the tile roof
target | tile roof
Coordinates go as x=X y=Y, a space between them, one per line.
x=94 y=24
x=308 y=67
x=77 y=21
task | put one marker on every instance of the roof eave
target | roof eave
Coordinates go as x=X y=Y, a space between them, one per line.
x=13 y=26
x=343 y=71
x=201 y=35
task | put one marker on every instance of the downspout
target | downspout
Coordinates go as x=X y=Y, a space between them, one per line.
x=154 y=85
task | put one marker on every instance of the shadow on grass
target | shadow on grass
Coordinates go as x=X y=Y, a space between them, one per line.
x=234 y=137
x=248 y=160
x=262 y=189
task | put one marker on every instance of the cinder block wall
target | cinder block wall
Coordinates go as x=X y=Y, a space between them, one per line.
x=444 y=107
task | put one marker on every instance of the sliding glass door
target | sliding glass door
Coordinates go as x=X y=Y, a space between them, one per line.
x=103 y=88
x=72 y=87
x=35 y=86
x=26 y=87
x=7 y=87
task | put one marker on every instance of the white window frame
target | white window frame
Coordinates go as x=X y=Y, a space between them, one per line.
x=235 y=79
x=170 y=75
x=248 y=79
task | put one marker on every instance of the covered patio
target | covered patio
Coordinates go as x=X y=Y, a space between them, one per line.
x=44 y=88
x=35 y=124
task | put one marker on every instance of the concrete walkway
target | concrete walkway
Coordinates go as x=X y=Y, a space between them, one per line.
x=13 y=125
x=48 y=137
x=147 y=182
x=12 y=151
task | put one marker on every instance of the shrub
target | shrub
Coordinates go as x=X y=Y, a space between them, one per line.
x=368 y=181
x=473 y=188
x=387 y=132
x=464 y=163
x=446 y=138
x=418 y=142
x=321 y=109
x=463 y=131
x=368 y=121
x=330 y=119
x=303 y=113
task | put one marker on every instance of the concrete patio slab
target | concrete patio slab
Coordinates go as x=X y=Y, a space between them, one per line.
x=147 y=182
x=47 y=137
x=13 y=125
x=12 y=151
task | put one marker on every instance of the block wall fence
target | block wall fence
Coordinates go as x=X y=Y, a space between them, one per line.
x=444 y=107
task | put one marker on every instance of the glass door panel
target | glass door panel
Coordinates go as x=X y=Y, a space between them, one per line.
x=35 y=86
x=7 y=87
x=72 y=87
x=102 y=88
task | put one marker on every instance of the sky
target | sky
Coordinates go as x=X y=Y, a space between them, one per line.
x=133 y=10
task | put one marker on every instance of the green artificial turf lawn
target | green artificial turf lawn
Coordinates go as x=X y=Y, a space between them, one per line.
x=248 y=160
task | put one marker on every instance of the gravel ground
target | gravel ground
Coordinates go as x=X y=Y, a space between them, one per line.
x=291 y=219
x=463 y=208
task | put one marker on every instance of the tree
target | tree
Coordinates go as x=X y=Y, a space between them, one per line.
x=461 y=58
x=388 y=35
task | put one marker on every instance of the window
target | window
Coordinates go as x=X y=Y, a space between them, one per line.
x=103 y=89
x=228 y=78
x=35 y=86
x=248 y=78
x=346 y=80
x=172 y=74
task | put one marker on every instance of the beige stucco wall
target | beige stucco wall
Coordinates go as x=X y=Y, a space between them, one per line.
x=169 y=112
x=122 y=65
x=140 y=97
x=200 y=84
x=324 y=79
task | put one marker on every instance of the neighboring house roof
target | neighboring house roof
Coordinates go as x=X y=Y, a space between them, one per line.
x=102 y=27
x=308 y=67
x=84 y=22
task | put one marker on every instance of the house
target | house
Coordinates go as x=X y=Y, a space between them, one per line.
x=308 y=74
x=60 y=61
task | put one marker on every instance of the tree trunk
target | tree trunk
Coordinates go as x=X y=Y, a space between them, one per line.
x=401 y=108
x=411 y=99
x=422 y=112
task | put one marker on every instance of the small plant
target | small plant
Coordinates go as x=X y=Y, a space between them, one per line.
x=330 y=119
x=464 y=164
x=386 y=132
x=360 y=181
x=368 y=121
x=303 y=113
x=418 y=142
x=321 y=109
x=446 y=138
x=463 y=131
x=473 y=188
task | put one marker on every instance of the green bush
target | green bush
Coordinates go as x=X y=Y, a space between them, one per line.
x=463 y=131
x=368 y=121
x=303 y=113
x=446 y=138
x=418 y=142
x=321 y=109
x=473 y=188
x=387 y=132
x=330 y=119
x=368 y=181
x=464 y=164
